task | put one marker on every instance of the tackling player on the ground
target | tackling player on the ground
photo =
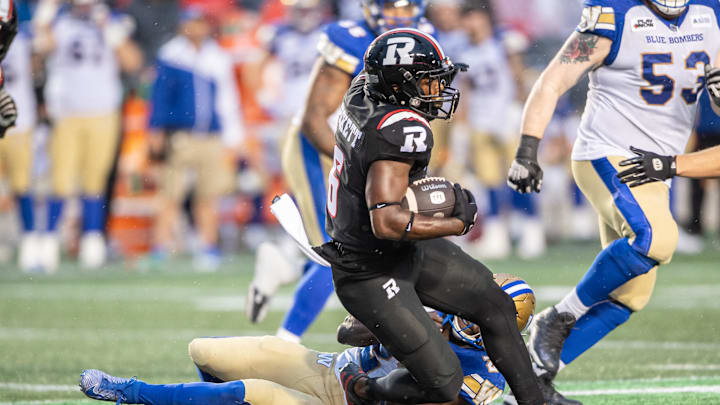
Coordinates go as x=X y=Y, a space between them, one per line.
x=270 y=371
x=647 y=61
x=309 y=147
x=387 y=261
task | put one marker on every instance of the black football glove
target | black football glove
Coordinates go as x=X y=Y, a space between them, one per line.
x=647 y=167
x=525 y=174
x=8 y=111
x=712 y=81
x=465 y=208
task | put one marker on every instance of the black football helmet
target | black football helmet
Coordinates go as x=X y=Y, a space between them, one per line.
x=397 y=61
x=8 y=25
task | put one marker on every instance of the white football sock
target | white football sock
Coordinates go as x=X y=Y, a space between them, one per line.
x=572 y=304
x=285 y=334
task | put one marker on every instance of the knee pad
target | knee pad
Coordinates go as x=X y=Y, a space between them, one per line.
x=628 y=260
x=200 y=351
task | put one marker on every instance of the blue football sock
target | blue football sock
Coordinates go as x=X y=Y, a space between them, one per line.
x=199 y=393
x=494 y=201
x=25 y=204
x=310 y=297
x=55 y=208
x=93 y=214
x=593 y=326
x=524 y=203
x=615 y=265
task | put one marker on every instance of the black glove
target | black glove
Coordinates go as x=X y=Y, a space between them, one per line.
x=525 y=174
x=712 y=81
x=647 y=167
x=8 y=111
x=465 y=208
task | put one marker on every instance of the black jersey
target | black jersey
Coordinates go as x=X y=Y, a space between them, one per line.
x=369 y=130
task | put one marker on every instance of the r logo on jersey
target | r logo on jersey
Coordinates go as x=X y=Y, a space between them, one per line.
x=414 y=139
x=391 y=288
x=406 y=44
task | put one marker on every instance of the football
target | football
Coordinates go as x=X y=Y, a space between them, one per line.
x=430 y=196
x=522 y=295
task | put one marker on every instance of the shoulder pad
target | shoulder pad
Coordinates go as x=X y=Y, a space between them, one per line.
x=405 y=132
x=396 y=116
x=343 y=45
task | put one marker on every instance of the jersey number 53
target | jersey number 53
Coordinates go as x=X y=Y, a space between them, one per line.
x=652 y=95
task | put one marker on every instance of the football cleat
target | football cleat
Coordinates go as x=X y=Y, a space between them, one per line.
x=349 y=375
x=547 y=337
x=551 y=395
x=257 y=305
x=102 y=386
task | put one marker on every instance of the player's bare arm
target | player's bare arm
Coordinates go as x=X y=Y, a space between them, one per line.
x=387 y=181
x=704 y=163
x=328 y=86
x=580 y=53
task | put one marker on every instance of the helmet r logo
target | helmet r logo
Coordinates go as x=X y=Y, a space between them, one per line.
x=403 y=51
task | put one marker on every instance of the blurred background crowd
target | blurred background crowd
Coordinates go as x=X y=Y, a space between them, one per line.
x=152 y=128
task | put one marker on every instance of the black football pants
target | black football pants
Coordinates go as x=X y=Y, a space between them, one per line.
x=387 y=292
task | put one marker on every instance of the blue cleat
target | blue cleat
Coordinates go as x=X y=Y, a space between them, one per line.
x=100 y=385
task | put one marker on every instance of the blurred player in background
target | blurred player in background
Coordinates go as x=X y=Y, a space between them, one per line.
x=271 y=371
x=17 y=148
x=86 y=47
x=309 y=145
x=646 y=62
x=196 y=129
x=491 y=92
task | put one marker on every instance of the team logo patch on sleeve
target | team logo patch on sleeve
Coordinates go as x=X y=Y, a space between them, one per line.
x=597 y=18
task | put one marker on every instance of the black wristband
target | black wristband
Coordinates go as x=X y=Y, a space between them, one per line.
x=409 y=225
x=528 y=147
x=383 y=205
x=673 y=166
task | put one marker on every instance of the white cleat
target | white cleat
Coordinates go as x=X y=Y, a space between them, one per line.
x=29 y=253
x=532 y=240
x=495 y=241
x=92 y=250
x=273 y=269
x=49 y=252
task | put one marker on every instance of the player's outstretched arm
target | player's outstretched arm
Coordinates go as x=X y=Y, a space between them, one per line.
x=647 y=166
x=581 y=52
x=387 y=182
x=704 y=163
x=328 y=85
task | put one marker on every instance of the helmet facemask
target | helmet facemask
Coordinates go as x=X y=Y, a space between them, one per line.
x=671 y=8
x=443 y=103
x=463 y=331
x=384 y=15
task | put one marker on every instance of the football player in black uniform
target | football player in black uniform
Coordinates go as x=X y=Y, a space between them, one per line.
x=8 y=30
x=388 y=262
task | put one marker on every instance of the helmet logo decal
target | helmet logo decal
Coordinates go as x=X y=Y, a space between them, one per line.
x=399 y=47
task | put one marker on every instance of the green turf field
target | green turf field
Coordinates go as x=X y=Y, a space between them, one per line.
x=131 y=323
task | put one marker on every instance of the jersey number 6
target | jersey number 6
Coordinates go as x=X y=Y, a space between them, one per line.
x=655 y=97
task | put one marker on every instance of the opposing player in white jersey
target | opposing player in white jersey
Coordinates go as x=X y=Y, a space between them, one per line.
x=489 y=115
x=16 y=148
x=267 y=370
x=86 y=47
x=647 y=63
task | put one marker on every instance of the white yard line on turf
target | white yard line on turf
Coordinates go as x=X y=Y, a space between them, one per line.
x=701 y=389
x=37 y=387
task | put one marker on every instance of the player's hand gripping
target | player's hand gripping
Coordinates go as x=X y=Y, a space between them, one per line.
x=647 y=167
x=465 y=208
x=712 y=81
x=8 y=112
x=525 y=174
